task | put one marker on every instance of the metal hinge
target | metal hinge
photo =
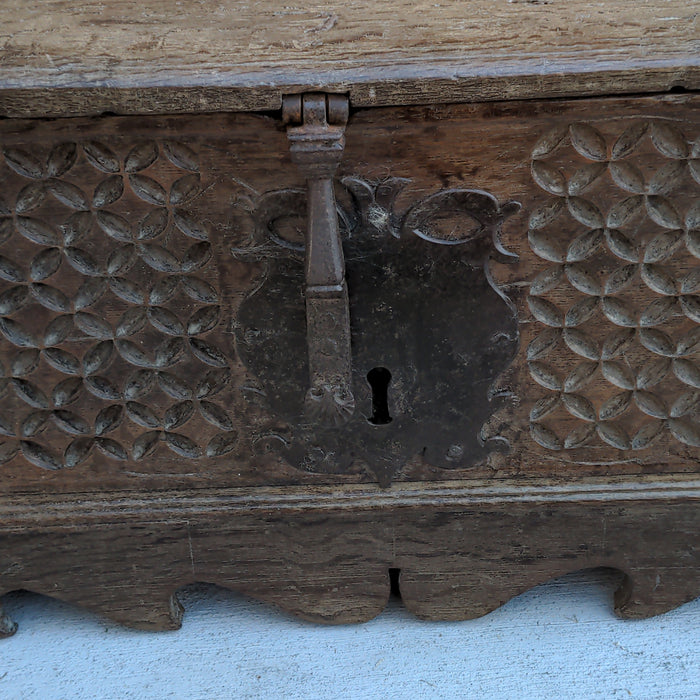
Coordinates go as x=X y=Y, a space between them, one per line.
x=316 y=131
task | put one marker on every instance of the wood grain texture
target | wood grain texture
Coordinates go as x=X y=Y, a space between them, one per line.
x=325 y=554
x=66 y=58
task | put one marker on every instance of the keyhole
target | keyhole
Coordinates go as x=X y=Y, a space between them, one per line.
x=379 y=378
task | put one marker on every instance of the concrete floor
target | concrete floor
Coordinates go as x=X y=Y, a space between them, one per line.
x=560 y=640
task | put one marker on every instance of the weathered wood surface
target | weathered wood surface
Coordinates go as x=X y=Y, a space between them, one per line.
x=151 y=318
x=68 y=58
x=325 y=554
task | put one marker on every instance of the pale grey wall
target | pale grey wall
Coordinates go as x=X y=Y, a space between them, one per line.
x=560 y=640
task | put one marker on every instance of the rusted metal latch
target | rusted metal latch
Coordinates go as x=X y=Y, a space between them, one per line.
x=316 y=131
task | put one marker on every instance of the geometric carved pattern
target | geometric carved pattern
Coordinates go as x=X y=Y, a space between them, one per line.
x=109 y=307
x=618 y=305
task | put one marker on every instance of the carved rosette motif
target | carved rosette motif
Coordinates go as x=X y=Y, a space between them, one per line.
x=617 y=352
x=109 y=296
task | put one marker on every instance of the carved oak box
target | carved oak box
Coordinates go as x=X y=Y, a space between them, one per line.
x=293 y=329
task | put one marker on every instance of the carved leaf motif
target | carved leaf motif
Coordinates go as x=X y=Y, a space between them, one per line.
x=24 y=362
x=23 y=163
x=208 y=353
x=45 y=264
x=182 y=445
x=147 y=189
x=620 y=279
x=201 y=291
x=131 y=322
x=662 y=212
x=686 y=403
x=691 y=307
x=585 y=212
x=546 y=280
x=686 y=432
x=78 y=451
x=546 y=214
x=581 y=344
x=543 y=344
x=216 y=415
x=628 y=140
x=141 y=156
x=689 y=343
x=213 y=382
x=67 y=391
x=588 y=141
x=545 y=312
x=30 y=197
x=89 y=292
x=9 y=271
x=615 y=406
x=50 y=297
x=37 y=231
x=657 y=341
x=579 y=406
x=127 y=290
x=34 y=423
x=584 y=177
x=647 y=435
x=108 y=191
x=545 y=375
x=158 y=258
x=13 y=299
x=583 y=280
x=548 y=178
x=659 y=279
x=687 y=371
x=82 y=261
x=174 y=386
x=61 y=159
x=132 y=353
x=101 y=157
x=546 y=246
x=17 y=335
x=668 y=140
x=108 y=419
x=692 y=242
x=165 y=320
x=70 y=422
x=585 y=245
x=111 y=448
x=617 y=312
x=614 y=435
x=185 y=189
x=62 y=360
x=667 y=178
x=188 y=224
x=544 y=406
x=658 y=311
x=102 y=388
x=121 y=259
x=181 y=155
x=690 y=284
x=142 y=414
x=98 y=357
x=545 y=437
x=145 y=444
x=581 y=375
x=197 y=256
x=178 y=414
x=93 y=325
x=76 y=227
x=153 y=224
x=40 y=456
x=163 y=290
x=69 y=194
x=30 y=393
x=579 y=436
x=650 y=404
x=203 y=320
x=624 y=211
x=221 y=444
x=115 y=226
x=169 y=352
x=653 y=372
x=139 y=384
